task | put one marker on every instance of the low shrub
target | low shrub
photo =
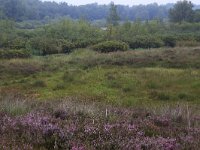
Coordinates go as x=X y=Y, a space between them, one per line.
x=17 y=43
x=110 y=46
x=9 y=54
x=84 y=43
x=169 y=41
x=76 y=130
x=45 y=46
x=81 y=43
x=145 y=42
x=67 y=47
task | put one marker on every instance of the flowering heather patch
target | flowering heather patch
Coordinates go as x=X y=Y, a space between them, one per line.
x=130 y=129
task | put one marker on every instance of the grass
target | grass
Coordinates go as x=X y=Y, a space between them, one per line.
x=119 y=82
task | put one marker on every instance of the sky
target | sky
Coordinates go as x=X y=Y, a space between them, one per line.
x=124 y=2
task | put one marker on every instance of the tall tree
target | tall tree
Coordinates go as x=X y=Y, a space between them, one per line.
x=182 y=11
x=113 y=17
x=197 y=15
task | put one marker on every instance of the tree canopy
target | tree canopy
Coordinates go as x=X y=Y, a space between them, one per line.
x=182 y=11
x=19 y=10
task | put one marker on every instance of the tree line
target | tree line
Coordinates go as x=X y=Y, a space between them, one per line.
x=20 y=10
x=183 y=11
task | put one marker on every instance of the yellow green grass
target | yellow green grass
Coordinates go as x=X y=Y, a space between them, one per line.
x=59 y=76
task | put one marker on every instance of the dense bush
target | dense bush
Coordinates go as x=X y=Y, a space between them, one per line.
x=110 y=46
x=8 y=54
x=17 y=43
x=45 y=46
x=12 y=42
x=145 y=42
x=67 y=46
x=83 y=43
x=169 y=41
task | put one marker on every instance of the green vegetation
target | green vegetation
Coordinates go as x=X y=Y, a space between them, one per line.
x=145 y=42
x=110 y=46
x=113 y=78
x=67 y=35
x=8 y=54
x=113 y=17
x=79 y=84
x=182 y=11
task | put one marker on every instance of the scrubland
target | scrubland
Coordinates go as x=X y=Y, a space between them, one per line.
x=138 y=99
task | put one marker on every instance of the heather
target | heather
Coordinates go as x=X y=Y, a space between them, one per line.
x=69 y=126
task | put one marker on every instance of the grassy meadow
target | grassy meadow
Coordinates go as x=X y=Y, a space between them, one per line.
x=151 y=95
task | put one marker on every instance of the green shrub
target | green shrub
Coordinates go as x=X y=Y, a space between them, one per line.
x=81 y=43
x=169 y=41
x=45 y=46
x=8 y=54
x=110 y=46
x=67 y=47
x=145 y=42
x=17 y=43
x=84 y=43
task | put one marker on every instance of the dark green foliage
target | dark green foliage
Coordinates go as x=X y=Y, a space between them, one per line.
x=182 y=11
x=17 y=43
x=8 y=54
x=84 y=43
x=110 y=46
x=113 y=17
x=67 y=47
x=169 y=41
x=145 y=42
x=45 y=46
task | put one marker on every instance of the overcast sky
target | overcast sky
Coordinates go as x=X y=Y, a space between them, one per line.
x=124 y=2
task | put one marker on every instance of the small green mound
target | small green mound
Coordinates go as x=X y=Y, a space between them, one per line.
x=110 y=46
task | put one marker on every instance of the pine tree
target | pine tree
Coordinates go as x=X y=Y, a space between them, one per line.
x=113 y=17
